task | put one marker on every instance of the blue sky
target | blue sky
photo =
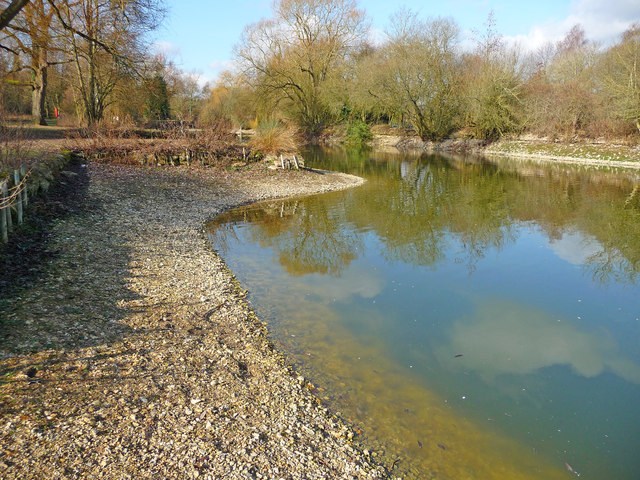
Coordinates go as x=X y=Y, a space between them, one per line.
x=199 y=35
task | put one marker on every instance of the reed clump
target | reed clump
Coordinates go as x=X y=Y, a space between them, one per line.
x=273 y=138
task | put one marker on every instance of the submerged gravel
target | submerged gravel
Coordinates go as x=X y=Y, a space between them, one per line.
x=135 y=355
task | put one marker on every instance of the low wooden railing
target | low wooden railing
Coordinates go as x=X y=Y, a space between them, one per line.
x=13 y=200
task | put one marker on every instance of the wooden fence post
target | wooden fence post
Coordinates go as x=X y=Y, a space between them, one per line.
x=7 y=209
x=4 y=211
x=16 y=178
x=25 y=197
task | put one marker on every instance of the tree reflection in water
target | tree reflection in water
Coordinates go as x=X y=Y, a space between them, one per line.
x=419 y=207
x=367 y=318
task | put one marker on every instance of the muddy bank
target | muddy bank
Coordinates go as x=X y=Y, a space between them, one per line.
x=133 y=353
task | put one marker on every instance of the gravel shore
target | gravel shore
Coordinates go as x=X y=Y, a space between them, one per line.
x=133 y=353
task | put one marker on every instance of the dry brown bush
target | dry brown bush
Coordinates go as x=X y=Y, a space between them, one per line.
x=177 y=144
x=274 y=139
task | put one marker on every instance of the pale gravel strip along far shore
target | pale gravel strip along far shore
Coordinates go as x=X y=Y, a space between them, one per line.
x=547 y=158
x=395 y=143
x=147 y=361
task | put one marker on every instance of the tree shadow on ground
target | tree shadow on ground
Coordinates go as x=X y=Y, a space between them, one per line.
x=59 y=296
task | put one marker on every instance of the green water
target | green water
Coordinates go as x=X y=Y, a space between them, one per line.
x=474 y=320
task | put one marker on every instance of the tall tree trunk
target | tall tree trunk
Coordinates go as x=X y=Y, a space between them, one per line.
x=92 y=115
x=39 y=93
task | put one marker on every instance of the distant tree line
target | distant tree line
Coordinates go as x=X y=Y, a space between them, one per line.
x=313 y=65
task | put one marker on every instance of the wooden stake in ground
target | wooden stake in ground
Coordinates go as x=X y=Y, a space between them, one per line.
x=7 y=208
x=25 y=198
x=16 y=179
x=4 y=211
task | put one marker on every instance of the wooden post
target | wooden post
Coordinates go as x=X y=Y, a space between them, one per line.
x=4 y=211
x=295 y=162
x=7 y=209
x=16 y=179
x=25 y=197
x=244 y=155
x=282 y=161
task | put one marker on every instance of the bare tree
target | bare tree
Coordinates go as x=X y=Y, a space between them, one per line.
x=232 y=99
x=364 y=98
x=561 y=97
x=186 y=95
x=105 y=44
x=291 y=58
x=10 y=11
x=418 y=74
x=492 y=86
x=33 y=37
x=621 y=76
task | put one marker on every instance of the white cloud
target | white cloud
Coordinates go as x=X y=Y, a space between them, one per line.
x=376 y=36
x=221 y=65
x=194 y=77
x=603 y=21
x=200 y=79
x=167 y=48
x=355 y=281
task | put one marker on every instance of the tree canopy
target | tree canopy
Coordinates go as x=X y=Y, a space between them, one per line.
x=316 y=64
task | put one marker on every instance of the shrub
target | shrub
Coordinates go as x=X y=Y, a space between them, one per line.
x=358 y=133
x=274 y=139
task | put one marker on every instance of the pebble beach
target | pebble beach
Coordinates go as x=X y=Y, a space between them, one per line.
x=134 y=353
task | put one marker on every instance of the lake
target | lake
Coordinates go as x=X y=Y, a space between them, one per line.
x=473 y=319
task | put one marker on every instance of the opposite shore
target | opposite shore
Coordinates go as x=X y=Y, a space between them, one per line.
x=593 y=153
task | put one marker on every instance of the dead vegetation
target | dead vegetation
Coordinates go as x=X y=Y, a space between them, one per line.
x=215 y=145
x=272 y=138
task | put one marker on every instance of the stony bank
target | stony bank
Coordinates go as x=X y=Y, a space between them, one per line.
x=132 y=352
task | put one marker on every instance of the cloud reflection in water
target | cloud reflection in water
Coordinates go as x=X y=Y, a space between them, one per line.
x=510 y=338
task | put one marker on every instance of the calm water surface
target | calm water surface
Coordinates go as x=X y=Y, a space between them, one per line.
x=474 y=320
